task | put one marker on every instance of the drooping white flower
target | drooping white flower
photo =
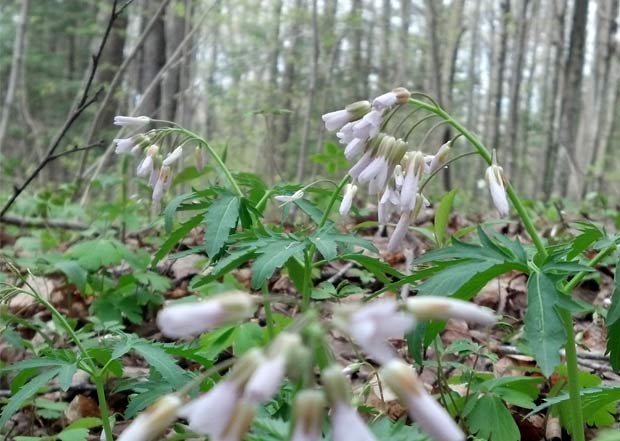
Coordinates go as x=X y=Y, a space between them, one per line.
x=336 y=120
x=145 y=167
x=375 y=323
x=440 y=157
x=239 y=423
x=308 y=412
x=151 y=423
x=185 y=319
x=210 y=413
x=368 y=127
x=290 y=198
x=266 y=379
x=399 y=232
x=124 y=145
x=347 y=425
x=398 y=176
x=415 y=168
x=162 y=184
x=376 y=166
x=349 y=193
x=360 y=165
x=423 y=409
x=354 y=148
x=494 y=177
x=345 y=135
x=173 y=157
x=384 y=101
x=444 y=308
x=131 y=121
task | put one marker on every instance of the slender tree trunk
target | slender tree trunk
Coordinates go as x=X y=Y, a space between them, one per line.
x=154 y=59
x=403 y=67
x=501 y=64
x=355 y=17
x=553 y=124
x=472 y=68
x=571 y=91
x=18 y=53
x=174 y=32
x=385 y=70
x=432 y=31
x=303 y=152
x=515 y=87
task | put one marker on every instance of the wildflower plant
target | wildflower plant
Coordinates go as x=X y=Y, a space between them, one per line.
x=224 y=399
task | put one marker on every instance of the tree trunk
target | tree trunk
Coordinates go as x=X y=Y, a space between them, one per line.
x=501 y=63
x=174 y=31
x=385 y=70
x=16 y=62
x=571 y=90
x=553 y=123
x=515 y=87
x=154 y=59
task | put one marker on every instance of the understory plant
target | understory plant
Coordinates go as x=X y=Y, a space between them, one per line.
x=294 y=361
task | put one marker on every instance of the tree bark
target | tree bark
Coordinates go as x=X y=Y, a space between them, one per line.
x=153 y=61
x=501 y=64
x=174 y=32
x=16 y=62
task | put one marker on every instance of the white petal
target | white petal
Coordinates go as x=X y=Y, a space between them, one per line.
x=384 y=101
x=354 y=148
x=444 y=308
x=360 y=165
x=133 y=121
x=347 y=425
x=399 y=233
x=265 y=381
x=145 y=167
x=335 y=120
x=374 y=168
x=123 y=145
x=345 y=135
x=210 y=414
x=497 y=190
x=347 y=200
x=153 y=421
x=173 y=157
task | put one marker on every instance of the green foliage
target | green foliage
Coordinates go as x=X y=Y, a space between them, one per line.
x=442 y=215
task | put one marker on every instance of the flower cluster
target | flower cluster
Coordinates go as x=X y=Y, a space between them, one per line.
x=392 y=172
x=226 y=411
x=153 y=165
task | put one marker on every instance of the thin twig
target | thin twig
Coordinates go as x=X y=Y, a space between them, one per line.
x=76 y=149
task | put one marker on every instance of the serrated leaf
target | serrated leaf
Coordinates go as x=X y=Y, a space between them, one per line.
x=543 y=326
x=380 y=269
x=79 y=434
x=163 y=363
x=85 y=423
x=613 y=324
x=94 y=254
x=583 y=241
x=326 y=246
x=221 y=217
x=225 y=265
x=24 y=393
x=489 y=419
x=566 y=268
x=172 y=207
x=310 y=209
x=450 y=280
x=74 y=272
x=274 y=256
x=462 y=250
x=247 y=336
x=442 y=215
x=65 y=376
x=176 y=237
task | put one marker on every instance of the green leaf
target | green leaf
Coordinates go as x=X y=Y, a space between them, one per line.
x=225 y=265
x=543 y=326
x=381 y=270
x=221 y=217
x=247 y=336
x=448 y=281
x=326 y=246
x=171 y=209
x=462 y=250
x=85 y=423
x=442 y=215
x=566 y=268
x=176 y=237
x=80 y=434
x=489 y=419
x=24 y=393
x=74 y=272
x=274 y=256
x=580 y=243
x=310 y=209
x=613 y=323
x=94 y=254
x=163 y=363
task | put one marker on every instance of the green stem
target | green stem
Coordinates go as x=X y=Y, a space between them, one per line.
x=568 y=288
x=572 y=371
x=103 y=407
x=213 y=154
x=268 y=312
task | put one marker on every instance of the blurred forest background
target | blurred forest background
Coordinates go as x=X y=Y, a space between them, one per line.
x=538 y=80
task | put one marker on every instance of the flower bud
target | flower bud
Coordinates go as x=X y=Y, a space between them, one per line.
x=423 y=409
x=308 y=412
x=200 y=158
x=290 y=198
x=494 y=177
x=131 y=121
x=441 y=157
x=444 y=308
x=185 y=319
x=336 y=385
x=349 y=193
x=347 y=425
x=358 y=109
x=151 y=423
x=173 y=157
x=161 y=184
x=399 y=233
x=239 y=423
x=402 y=95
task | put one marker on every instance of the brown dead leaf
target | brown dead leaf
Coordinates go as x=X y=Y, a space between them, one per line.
x=81 y=407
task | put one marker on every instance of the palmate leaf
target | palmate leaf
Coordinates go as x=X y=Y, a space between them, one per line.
x=544 y=329
x=489 y=419
x=273 y=256
x=176 y=237
x=221 y=217
x=163 y=363
x=613 y=324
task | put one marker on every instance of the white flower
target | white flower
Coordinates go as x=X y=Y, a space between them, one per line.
x=373 y=324
x=185 y=319
x=354 y=148
x=239 y=423
x=308 y=415
x=423 y=409
x=131 y=121
x=398 y=176
x=124 y=145
x=399 y=232
x=336 y=120
x=384 y=101
x=368 y=127
x=173 y=157
x=162 y=184
x=376 y=166
x=290 y=198
x=349 y=193
x=444 y=308
x=496 y=188
x=347 y=425
x=345 y=135
x=440 y=158
x=145 y=167
x=415 y=168
x=211 y=413
x=151 y=423
x=361 y=164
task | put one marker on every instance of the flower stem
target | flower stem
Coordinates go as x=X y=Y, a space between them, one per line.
x=268 y=312
x=103 y=407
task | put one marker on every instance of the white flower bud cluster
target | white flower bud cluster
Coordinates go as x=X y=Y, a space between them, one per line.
x=153 y=166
